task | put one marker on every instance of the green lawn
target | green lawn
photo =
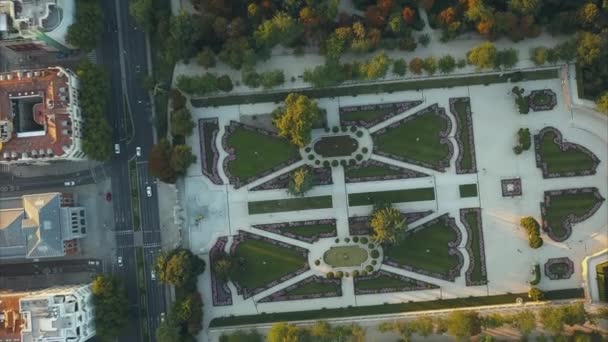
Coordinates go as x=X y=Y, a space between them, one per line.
x=375 y=88
x=563 y=205
x=312 y=288
x=468 y=190
x=467 y=155
x=381 y=309
x=256 y=153
x=311 y=230
x=345 y=256
x=369 y=171
x=336 y=146
x=263 y=263
x=426 y=249
x=394 y=196
x=292 y=204
x=563 y=161
x=476 y=275
x=366 y=115
x=383 y=281
x=417 y=139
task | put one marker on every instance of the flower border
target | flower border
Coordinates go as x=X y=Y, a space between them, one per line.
x=322 y=176
x=355 y=223
x=570 y=219
x=278 y=228
x=460 y=127
x=440 y=165
x=553 y=261
x=399 y=107
x=209 y=170
x=283 y=295
x=563 y=146
x=516 y=182
x=538 y=107
x=221 y=294
x=405 y=172
x=469 y=247
x=417 y=286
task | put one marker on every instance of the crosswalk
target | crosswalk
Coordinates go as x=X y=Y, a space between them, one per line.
x=5 y=168
x=92 y=56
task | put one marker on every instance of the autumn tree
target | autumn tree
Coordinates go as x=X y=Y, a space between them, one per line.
x=222 y=267
x=237 y=52
x=463 y=324
x=374 y=17
x=181 y=159
x=483 y=56
x=281 y=29
x=111 y=306
x=300 y=182
x=524 y=321
x=446 y=64
x=180 y=268
x=424 y=325
x=294 y=121
x=416 y=65
x=524 y=6
x=404 y=329
x=188 y=311
x=589 y=47
x=283 y=332
x=553 y=318
x=478 y=10
x=535 y=294
x=602 y=103
x=181 y=122
x=206 y=58
x=409 y=15
x=539 y=55
x=446 y=17
x=588 y=14
x=430 y=65
x=159 y=162
x=387 y=223
x=376 y=67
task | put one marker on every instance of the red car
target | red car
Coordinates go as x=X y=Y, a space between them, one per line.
x=108 y=196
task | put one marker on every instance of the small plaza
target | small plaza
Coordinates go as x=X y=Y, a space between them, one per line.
x=445 y=158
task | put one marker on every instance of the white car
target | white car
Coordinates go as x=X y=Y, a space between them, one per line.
x=162 y=317
x=117 y=148
x=119 y=261
x=152 y=275
x=138 y=151
x=69 y=183
x=149 y=191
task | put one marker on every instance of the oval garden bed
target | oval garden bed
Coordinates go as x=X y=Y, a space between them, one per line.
x=345 y=256
x=336 y=146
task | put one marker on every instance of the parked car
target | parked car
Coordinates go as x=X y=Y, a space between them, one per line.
x=162 y=317
x=149 y=191
x=69 y=183
x=117 y=148
x=152 y=275
x=138 y=151
x=119 y=261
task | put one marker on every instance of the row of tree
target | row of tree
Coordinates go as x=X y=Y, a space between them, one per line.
x=87 y=28
x=111 y=306
x=181 y=268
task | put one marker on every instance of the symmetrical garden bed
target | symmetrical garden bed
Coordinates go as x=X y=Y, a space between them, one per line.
x=420 y=139
x=321 y=176
x=336 y=146
x=393 y=196
x=219 y=287
x=310 y=288
x=307 y=231
x=387 y=282
x=208 y=129
x=260 y=263
x=289 y=204
x=559 y=268
x=563 y=208
x=476 y=273
x=254 y=153
x=430 y=249
x=461 y=109
x=373 y=170
x=371 y=115
x=360 y=225
x=511 y=187
x=557 y=158
x=543 y=99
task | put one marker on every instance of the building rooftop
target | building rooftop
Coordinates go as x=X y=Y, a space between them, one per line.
x=10 y=319
x=34 y=115
x=33 y=231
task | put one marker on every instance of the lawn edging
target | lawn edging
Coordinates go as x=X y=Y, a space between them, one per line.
x=382 y=309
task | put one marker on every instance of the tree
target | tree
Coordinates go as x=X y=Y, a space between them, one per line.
x=159 y=162
x=535 y=294
x=575 y=314
x=168 y=331
x=483 y=56
x=387 y=223
x=409 y=15
x=602 y=103
x=424 y=325
x=524 y=6
x=272 y=78
x=300 y=182
x=181 y=122
x=446 y=64
x=143 y=13
x=463 y=324
x=281 y=29
x=567 y=50
x=430 y=65
x=416 y=65
x=185 y=35
x=532 y=228
x=224 y=83
x=376 y=67
x=242 y=336
x=507 y=58
x=552 y=319
x=321 y=331
x=477 y=10
x=180 y=268
x=588 y=13
x=329 y=74
x=446 y=17
x=539 y=55
x=400 y=67
x=206 y=58
x=189 y=312
x=198 y=85
x=294 y=121
x=111 y=306
x=250 y=78
x=404 y=329
x=222 y=267
x=85 y=32
x=181 y=158
x=236 y=52
x=283 y=332
x=589 y=47
x=524 y=321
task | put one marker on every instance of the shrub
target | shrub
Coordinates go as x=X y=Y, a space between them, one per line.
x=329 y=275
x=344 y=129
x=343 y=162
x=346 y=274
x=250 y=78
x=307 y=150
x=317 y=162
x=374 y=262
x=337 y=240
x=359 y=157
x=539 y=55
x=364 y=150
x=535 y=294
x=364 y=240
x=352 y=162
x=334 y=163
x=326 y=163
x=446 y=64
x=371 y=246
x=524 y=139
x=364 y=273
x=272 y=78
x=374 y=254
x=355 y=239
x=369 y=268
x=347 y=240
x=339 y=274
x=517 y=149
x=532 y=228
x=311 y=156
x=536 y=279
x=359 y=134
x=461 y=63
x=335 y=129
x=317 y=262
x=400 y=67
x=355 y=273
x=353 y=129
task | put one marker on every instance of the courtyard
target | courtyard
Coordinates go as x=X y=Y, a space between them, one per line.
x=443 y=157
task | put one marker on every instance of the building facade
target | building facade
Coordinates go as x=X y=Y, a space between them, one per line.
x=40 y=117
x=57 y=314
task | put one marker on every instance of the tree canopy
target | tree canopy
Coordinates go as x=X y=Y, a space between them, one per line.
x=181 y=122
x=602 y=103
x=294 y=121
x=283 y=332
x=463 y=324
x=387 y=224
x=85 y=32
x=483 y=56
x=180 y=268
x=111 y=306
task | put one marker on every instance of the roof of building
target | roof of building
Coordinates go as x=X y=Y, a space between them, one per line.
x=35 y=120
x=10 y=325
x=33 y=231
